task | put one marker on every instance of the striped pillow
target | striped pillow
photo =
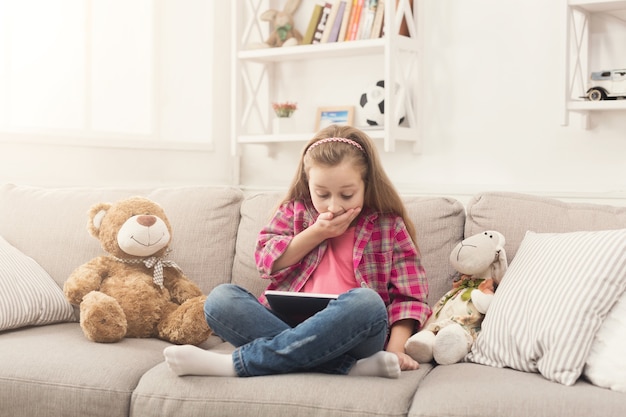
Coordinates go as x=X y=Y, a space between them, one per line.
x=552 y=301
x=28 y=295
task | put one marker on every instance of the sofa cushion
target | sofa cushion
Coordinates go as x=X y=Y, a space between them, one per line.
x=28 y=295
x=161 y=393
x=256 y=212
x=512 y=214
x=54 y=371
x=439 y=222
x=204 y=223
x=551 y=302
x=606 y=363
x=466 y=389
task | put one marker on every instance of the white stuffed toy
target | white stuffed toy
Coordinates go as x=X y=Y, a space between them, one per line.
x=449 y=333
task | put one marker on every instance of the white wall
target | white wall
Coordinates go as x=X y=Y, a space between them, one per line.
x=493 y=112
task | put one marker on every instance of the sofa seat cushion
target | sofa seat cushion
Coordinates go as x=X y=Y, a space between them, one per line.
x=467 y=389
x=161 y=393
x=54 y=371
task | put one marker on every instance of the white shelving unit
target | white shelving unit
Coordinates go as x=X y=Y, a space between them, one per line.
x=253 y=83
x=577 y=56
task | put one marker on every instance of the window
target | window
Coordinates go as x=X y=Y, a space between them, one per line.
x=119 y=70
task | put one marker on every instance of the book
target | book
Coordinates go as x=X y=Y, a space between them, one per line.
x=345 y=21
x=377 y=27
x=334 y=32
x=353 y=28
x=315 y=18
x=295 y=307
x=321 y=25
x=367 y=19
x=330 y=22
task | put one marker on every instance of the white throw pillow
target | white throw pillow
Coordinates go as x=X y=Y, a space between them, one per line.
x=606 y=363
x=552 y=301
x=28 y=295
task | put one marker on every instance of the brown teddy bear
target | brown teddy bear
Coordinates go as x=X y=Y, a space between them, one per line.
x=133 y=291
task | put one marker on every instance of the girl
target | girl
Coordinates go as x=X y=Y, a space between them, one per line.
x=341 y=229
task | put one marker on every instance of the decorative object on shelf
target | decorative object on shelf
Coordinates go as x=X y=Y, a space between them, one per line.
x=285 y=109
x=337 y=115
x=283 y=123
x=607 y=85
x=283 y=32
x=372 y=104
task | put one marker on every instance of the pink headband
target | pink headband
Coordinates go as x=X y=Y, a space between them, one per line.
x=344 y=140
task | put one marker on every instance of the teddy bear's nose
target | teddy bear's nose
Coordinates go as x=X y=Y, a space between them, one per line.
x=146 y=221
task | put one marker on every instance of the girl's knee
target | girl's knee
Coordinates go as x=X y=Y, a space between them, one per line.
x=367 y=302
x=219 y=298
x=366 y=295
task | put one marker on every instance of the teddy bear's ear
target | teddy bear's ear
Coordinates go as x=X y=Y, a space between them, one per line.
x=96 y=214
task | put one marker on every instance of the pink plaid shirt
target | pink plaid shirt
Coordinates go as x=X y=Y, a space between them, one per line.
x=385 y=258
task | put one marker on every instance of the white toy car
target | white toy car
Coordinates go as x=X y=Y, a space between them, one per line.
x=607 y=85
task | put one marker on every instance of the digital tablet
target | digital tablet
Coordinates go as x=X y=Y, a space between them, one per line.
x=295 y=307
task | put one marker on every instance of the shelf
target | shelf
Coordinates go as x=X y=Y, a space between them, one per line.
x=597 y=105
x=598 y=5
x=326 y=50
x=578 y=55
x=402 y=133
x=271 y=138
x=295 y=137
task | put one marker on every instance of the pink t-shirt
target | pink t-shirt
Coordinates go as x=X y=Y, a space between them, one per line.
x=335 y=273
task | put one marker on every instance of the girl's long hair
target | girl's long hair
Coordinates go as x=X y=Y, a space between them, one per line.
x=380 y=194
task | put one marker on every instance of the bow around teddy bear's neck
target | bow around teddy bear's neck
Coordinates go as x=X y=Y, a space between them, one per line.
x=156 y=262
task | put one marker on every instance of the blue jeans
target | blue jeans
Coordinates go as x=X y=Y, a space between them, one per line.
x=352 y=327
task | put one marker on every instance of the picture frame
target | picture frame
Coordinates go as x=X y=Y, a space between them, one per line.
x=339 y=115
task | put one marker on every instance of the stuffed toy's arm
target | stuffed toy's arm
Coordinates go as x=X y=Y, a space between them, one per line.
x=483 y=296
x=180 y=287
x=84 y=279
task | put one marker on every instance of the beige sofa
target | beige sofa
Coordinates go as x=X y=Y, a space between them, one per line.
x=52 y=370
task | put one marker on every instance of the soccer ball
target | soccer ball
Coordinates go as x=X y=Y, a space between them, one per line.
x=372 y=104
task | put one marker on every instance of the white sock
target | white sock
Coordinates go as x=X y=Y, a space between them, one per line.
x=383 y=364
x=191 y=360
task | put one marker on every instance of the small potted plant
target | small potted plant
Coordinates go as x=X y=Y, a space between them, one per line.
x=285 y=109
x=283 y=122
